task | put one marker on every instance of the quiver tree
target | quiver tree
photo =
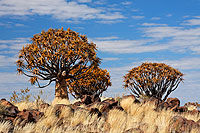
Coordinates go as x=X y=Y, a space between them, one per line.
x=57 y=55
x=156 y=80
x=96 y=81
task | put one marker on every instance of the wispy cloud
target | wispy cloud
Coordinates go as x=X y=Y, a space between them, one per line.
x=14 y=44
x=160 y=37
x=110 y=59
x=153 y=24
x=126 y=3
x=191 y=22
x=7 y=61
x=155 y=18
x=110 y=16
x=138 y=17
x=67 y=10
x=106 y=38
x=108 y=21
x=128 y=46
x=169 y=15
x=84 y=1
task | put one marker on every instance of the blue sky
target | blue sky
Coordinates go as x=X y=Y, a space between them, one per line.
x=126 y=32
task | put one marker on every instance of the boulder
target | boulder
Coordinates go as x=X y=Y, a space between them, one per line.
x=27 y=116
x=179 y=124
x=108 y=104
x=89 y=99
x=8 y=109
x=181 y=109
x=171 y=103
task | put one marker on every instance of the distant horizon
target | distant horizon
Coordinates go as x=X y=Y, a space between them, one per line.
x=127 y=33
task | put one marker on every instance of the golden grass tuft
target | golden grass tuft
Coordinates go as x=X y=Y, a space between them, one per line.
x=117 y=120
x=139 y=116
x=26 y=105
x=60 y=101
x=5 y=126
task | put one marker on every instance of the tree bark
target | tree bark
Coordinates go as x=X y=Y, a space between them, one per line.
x=61 y=89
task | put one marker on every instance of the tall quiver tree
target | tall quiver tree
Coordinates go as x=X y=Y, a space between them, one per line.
x=57 y=55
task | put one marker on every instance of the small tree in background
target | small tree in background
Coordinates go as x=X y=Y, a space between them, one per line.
x=156 y=80
x=95 y=84
x=57 y=55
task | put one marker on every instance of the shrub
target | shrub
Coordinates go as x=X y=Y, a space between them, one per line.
x=156 y=80
x=25 y=96
x=22 y=96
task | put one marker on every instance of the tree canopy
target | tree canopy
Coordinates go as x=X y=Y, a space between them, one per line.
x=156 y=80
x=57 y=55
x=96 y=81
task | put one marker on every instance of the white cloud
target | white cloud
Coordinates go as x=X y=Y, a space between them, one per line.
x=19 y=25
x=110 y=16
x=14 y=44
x=59 y=9
x=179 y=39
x=191 y=22
x=7 y=61
x=185 y=64
x=126 y=3
x=135 y=10
x=109 y=21
x=84 y=1
x=9 y=50
x=128 y=46
x=153 y=24
x=3 y=46
x=110 y=59
x=196 y=49
x=106 y=38
x=138 y=17
x=169 y=15
x=155 y=18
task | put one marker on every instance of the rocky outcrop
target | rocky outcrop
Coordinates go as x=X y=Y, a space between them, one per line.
x=27 y=116
x=173 y=104
x=8 y=109
x=179 y=124
x=11 y=113
x=89 y=99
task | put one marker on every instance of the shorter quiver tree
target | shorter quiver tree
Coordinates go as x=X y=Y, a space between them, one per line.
x=57 y=55
x=156 y=80
x=96 y=81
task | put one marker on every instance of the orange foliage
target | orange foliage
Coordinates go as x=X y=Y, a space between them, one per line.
x=95 y=81
x=153 y=80
x=57 y=55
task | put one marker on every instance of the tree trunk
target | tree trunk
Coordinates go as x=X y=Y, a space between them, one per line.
x=61 y=89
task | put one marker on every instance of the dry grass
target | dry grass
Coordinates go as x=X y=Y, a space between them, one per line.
x=141 y=116
x=4 y=127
